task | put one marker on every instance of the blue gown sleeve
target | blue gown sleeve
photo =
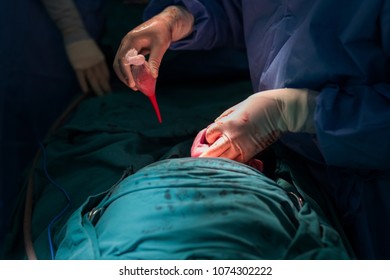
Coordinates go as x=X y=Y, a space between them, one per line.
x=217 y=23
x=353 y=126
x=353 y=122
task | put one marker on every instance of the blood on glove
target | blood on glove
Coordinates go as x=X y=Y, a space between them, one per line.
x=200 y=145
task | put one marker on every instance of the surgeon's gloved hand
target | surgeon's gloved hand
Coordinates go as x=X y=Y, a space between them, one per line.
x=152 y=38
x=84 y=55
x=200 y=144
x=249 y=127
x=89 y=65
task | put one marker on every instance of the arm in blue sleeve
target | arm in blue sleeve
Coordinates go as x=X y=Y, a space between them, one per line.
x=353 y=122
x=353 y=126
x=217 y=23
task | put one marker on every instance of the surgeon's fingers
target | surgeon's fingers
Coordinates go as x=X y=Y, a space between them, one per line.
x=102 y=74
x=94 y=81
x=213 y=132
x=221 y=148
x=155 y=57
x=120 y=70
x=81 y=77
x=217 y=148
x=127 y=74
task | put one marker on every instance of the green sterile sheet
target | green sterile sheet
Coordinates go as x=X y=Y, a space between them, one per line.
x=104 y=136
x=107 y=136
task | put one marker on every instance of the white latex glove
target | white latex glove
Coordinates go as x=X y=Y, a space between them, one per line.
x=89 y=65
x=153 y=37
x=249 y=127
x=84 y=55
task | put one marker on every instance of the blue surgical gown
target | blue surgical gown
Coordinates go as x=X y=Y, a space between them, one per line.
x=342 y=50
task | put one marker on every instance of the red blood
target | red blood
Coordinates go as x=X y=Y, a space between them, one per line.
x=153 y=100
x=146 y=84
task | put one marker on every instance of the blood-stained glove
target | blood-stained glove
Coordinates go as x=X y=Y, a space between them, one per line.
x=249 y=127
x=200 y=145
x=152 y=38
x=84 y=55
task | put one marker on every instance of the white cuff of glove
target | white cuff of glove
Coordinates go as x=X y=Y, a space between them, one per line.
x=296 y=107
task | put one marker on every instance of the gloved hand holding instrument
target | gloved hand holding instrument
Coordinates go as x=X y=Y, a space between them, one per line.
x=143 y=77
x=151 y=38
x=249 y=127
